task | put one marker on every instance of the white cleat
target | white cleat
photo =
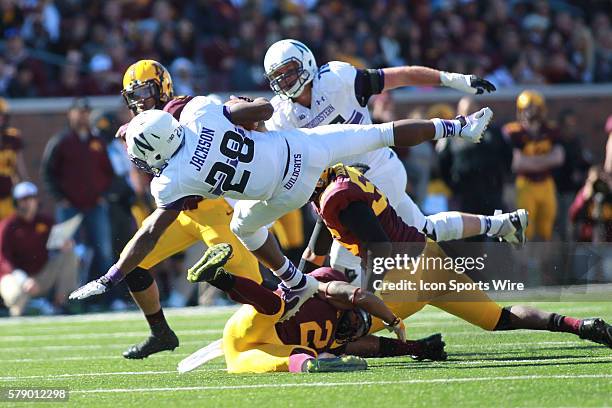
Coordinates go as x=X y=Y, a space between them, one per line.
x=474 y=125
x=295 y=297
x=514 y=227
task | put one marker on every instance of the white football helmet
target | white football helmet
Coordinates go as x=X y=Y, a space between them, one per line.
x=289 y=66
x=153 y=137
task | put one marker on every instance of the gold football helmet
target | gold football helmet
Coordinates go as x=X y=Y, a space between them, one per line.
x=530 y=105
x=146 y=85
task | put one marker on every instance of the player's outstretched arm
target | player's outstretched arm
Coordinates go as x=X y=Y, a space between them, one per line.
x=134 y=252
x=242 y=110
x=415 y=75
x=349 y=296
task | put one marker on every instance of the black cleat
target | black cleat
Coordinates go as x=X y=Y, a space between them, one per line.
x=151 y=345
x=433 y=348
x=214 y=258
x=597 y=330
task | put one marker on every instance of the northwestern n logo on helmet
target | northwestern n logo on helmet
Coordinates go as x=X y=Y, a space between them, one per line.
x=143 y=144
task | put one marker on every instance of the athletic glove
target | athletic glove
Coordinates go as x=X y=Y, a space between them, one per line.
x=101 y=285
x=466 y=83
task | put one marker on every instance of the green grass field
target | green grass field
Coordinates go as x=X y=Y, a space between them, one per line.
x=484 y=369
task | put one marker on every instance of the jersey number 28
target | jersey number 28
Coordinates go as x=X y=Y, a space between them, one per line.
x=231 y=147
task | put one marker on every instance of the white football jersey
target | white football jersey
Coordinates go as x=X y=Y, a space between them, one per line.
x=219 y=158
x=333 y=102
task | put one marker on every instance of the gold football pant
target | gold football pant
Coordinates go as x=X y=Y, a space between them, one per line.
x=251 y=345
x=6 y=207
x=289 y=230
x=473 y=306
x=540 y=199
x=209 y=223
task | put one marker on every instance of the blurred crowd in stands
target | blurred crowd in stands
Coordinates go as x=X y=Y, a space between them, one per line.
x=71 y=47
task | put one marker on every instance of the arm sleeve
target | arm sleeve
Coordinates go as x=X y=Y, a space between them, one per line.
x=360 y=219
x=49 y=168
x=368 y=82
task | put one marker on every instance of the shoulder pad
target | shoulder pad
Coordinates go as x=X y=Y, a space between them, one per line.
x=335 y=74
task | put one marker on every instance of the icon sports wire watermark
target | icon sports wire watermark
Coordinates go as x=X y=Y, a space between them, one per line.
x=468 y=271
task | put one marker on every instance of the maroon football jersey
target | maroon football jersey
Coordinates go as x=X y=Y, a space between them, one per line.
x=315 y=324
x=350 y=186
x=176 y=105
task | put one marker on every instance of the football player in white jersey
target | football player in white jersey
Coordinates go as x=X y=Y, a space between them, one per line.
x=209 y=154
x=308 y=96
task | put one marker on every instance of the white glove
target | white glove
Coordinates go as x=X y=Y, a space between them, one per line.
x=96 y=287
x=466 y=83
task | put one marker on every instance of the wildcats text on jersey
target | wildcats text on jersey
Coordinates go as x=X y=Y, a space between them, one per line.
x=297 y=167
x=201 y=152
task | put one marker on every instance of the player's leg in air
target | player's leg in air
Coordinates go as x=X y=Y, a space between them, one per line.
x=320 y=148
x=208 y=222
x=250 y=342
x=475 y=306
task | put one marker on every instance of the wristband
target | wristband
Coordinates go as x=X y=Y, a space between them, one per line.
x=114 y=275
x=393 y=324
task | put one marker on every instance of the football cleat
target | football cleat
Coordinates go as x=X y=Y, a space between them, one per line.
x=214 y=258
x=474 y=125
x=597 y=330
x=433 y=348
x=295 y=297
x=151 y=345
x=336 y=364
x=513 y=228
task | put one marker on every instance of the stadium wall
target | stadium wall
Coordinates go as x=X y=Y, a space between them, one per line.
x=41 y=118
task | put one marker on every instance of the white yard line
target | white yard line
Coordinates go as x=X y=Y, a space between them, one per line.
x=205 y=311
x=470 y=346
x=84 y=346
x=82 y=336
x=202 y=311
x=54 y=377
x=348 y=383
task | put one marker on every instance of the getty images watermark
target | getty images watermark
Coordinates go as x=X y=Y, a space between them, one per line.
x=423 y=264
x=469 y=271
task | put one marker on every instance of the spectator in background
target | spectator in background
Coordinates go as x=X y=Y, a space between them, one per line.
x=608 y=159
x=418 y=163
x=571 y=174
x=120 y=195
x=27 y=268
x=536 y=153
x=476 y=172
x=22 y=85
x=12 y=163
x=591 y=211
x=77 y=172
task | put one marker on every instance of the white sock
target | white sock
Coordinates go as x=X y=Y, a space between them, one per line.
x=484 y=225
x=289 y=274
x=446 y=128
